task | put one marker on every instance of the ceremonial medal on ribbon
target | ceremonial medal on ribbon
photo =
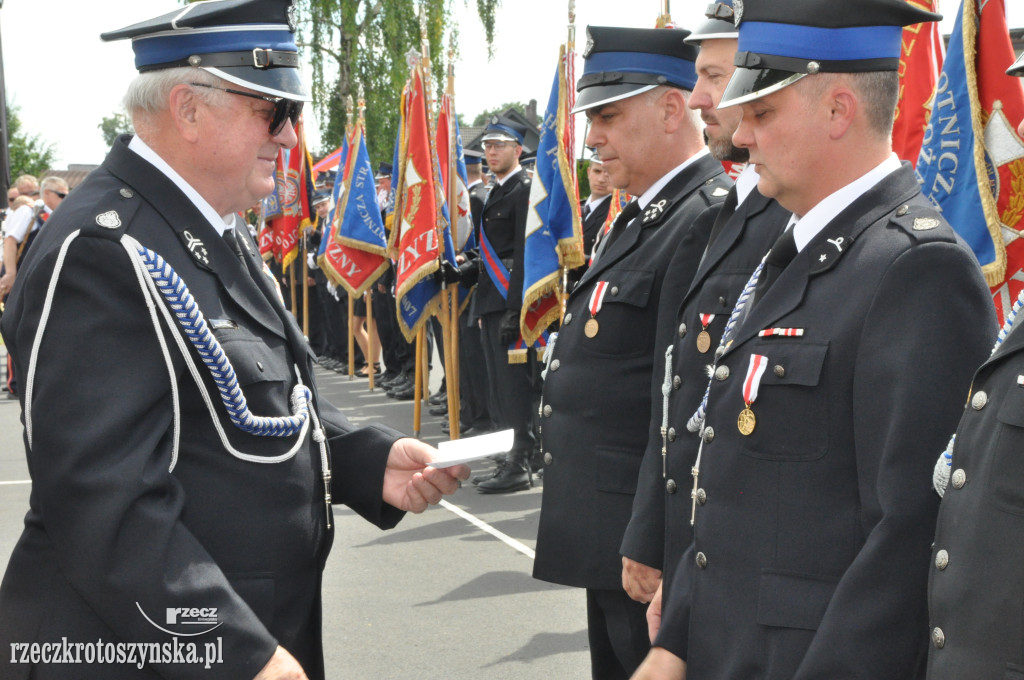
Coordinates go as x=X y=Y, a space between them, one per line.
x=704 y=338
x=591 y=328
x=747 y=421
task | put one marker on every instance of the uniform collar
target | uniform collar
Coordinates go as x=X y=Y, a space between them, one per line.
x=649 y=195
x=594 y=202
x=219 y=222
x=817 y=218
x=746 y=183
x=510 y=175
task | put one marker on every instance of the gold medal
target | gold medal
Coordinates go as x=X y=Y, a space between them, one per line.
x=746 y=422
x=703 y=342
x=590 y=328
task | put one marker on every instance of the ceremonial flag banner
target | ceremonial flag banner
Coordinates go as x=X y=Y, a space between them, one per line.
x=356 y=255
x=921 y=55
x=972 y=160
x=449 y=145
x=294 y=192
x=416 y=240
x=554 y=237
x=330 y=229
x=331 y=161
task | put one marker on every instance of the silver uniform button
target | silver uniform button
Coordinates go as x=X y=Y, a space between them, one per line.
x=702 y=560
x=671 y=434
x=547 y=410
x=780 y=371
x=555 y=364
x=938 y=638
x=677 y=382
x=670 y=486
x=941 y=560
x=548 y=458
x=614 y=290
x=958 y=479
x=259 y=365
x=702 y=496
x=568 y=318
x=126 y=193
x=979 y=400
x=722 y=373
x=682 y=330
x=709 y=435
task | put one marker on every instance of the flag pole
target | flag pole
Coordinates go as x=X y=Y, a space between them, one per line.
x=665 y=18
x=417 y=409
x=445 y=315
x=570 y=47
x=452 y=294
x=349 y=118
x=371 y=331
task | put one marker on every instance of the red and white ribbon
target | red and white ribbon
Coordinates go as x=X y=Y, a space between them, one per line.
x=706 y=319
x=597 y=297
x=751 y=384
x=782 y=332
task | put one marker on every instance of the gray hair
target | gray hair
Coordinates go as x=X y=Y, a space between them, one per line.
x=658 y=92
x=52 y=183
x=149 y=91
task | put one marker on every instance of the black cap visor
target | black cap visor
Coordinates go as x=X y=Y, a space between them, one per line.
x=599 y=95
x=747 y=84
x=713 y=29
x=1018 y=67
x=276 y=82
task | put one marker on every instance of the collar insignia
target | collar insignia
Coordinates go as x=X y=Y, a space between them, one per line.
x=195 y=247
x=925 y=223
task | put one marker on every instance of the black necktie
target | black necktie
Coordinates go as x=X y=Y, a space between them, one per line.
x=623 y=219
x=782 y=253
x=586 y=210
x=232 y=241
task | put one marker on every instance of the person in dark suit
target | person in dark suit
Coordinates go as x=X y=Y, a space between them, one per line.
x=156 y=494
x=593 y=212
x=690 y=320
x=846 y=367
x=596 y=398
x=975 y=591
x=499 y=298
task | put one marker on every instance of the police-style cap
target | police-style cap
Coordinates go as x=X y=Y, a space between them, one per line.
x=781 y=41
x=473 y=157
x=623 y=62
x=1018 y=67
x=246 y=42
x=321 y=196
x=383 y=170
x=501 y=128
x=720 y=23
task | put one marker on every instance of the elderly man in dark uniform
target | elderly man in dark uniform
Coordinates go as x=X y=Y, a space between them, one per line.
x=499 y=298
x=847 y=365
x=183 y=466
x=975 y=590
x=691 y=321
x=597 y=396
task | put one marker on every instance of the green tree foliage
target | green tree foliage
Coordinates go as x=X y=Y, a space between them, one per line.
x=114 y=126
x=29 y=154
x=353 y=42
x=484 y=117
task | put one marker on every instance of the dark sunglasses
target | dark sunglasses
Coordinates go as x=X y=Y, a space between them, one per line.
x=60 y=194
x=284 y=109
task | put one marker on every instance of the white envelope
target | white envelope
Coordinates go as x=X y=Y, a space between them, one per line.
x=473 y=448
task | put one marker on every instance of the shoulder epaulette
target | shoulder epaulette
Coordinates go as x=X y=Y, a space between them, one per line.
x=716 y=189
x=114 y=212
x=923 y=222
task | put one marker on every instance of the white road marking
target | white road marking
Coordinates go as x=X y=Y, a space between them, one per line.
x=484 y=526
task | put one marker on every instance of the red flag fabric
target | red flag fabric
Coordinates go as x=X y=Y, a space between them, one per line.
x=921 y=57
x=294 y=185
x=417 y=238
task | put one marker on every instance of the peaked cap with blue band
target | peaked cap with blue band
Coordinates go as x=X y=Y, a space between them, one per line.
x=246 y=42
x=623 y=62
x=502 y=128
x=781 y=41
x=720 y=23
